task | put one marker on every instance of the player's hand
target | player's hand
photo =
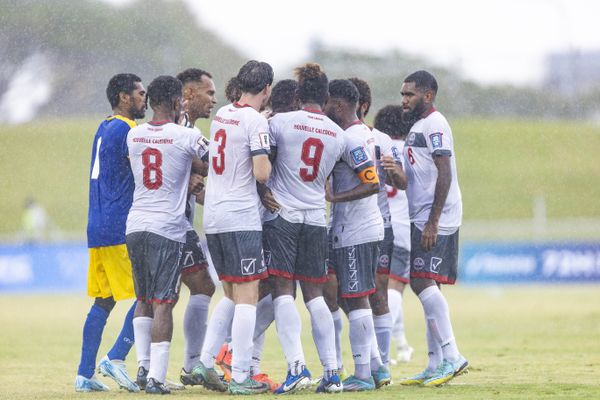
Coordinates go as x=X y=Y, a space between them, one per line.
x=267 y=199
x=196 y=184
x=429 y=236
x=389 y=164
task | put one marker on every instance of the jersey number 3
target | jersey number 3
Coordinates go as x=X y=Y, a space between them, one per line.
x=152 y=161
x=312 y=150
x=218 y=161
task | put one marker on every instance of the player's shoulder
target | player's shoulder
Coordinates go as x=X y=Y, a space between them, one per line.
x=117 y=125
x=435 y=121
x=381 y=138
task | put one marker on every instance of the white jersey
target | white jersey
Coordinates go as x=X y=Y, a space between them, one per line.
x=161 y=161
x=231 y=203
x=357 y=221
x=308 y=146
x=431 y=136
x=398 y=203
x=384 y=147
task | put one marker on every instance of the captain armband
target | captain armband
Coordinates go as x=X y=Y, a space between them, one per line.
x=368 y=175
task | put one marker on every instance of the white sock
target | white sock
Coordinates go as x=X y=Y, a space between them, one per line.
x=265 y=315
x=323 y=332
x=159 y=361
x=289 y=328
x=434 y=351
x=395 y=304
x=375 y=356
x=242 y=328
x=217 y=331
x=194 y=329
x=257 y=350
x=361 y=335
x=438 y=320
x=338 y=324
x=383 y=332
x=142 y=331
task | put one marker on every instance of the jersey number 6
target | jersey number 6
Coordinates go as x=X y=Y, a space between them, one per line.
x=312 y=150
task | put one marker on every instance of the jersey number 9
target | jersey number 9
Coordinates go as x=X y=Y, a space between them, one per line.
x=312 y=150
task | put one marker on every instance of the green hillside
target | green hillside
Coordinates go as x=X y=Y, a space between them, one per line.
x=502 y=166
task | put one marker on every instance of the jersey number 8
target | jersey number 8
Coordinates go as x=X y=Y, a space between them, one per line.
x=152 y=161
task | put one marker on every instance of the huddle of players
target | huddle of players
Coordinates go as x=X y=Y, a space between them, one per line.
x=268 y=182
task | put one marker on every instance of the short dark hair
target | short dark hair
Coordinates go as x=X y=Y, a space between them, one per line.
x=392 y=120
x=364 y=92
x=423 y=80
x=254 y=76
x=313 y=84
x=283 y=96
x=192 y=75
x=120 y=83
x=344 y=89
x=232 y=90
x=163 y=90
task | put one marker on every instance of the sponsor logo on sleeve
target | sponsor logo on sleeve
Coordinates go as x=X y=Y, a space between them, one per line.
x=396 y=153
x=264 y=140
x=248 y=266
x=434 y=265
x=436 y=140
x=359 y=155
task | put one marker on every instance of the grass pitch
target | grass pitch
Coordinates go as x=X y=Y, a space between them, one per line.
x=522 y=342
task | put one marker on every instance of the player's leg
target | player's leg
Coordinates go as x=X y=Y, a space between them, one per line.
x=119 y=273
x=265 y=315
x=427 y=269
x=281 y=238
x=312 y=255
x=242 y=266
x=355 y=269
x=399 y=278
x=92 y=335
x=330 y=294
x=219 y=323
x=163 y=262
x=382 y=319
x=195 y=276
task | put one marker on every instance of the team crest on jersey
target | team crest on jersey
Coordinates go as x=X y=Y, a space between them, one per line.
x=411 y=139
x=359 y=155
x=384 y=260
x=264 y=140
x=436 y=140
x=419 y=263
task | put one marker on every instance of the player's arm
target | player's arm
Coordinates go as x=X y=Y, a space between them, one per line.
x=369 y=185
x=442 y=187
x=395 y=175
x=199 y=166
x=267 y=198
x=261 y=167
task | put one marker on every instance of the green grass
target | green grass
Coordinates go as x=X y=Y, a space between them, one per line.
x=503 y=165
x=522 y=342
